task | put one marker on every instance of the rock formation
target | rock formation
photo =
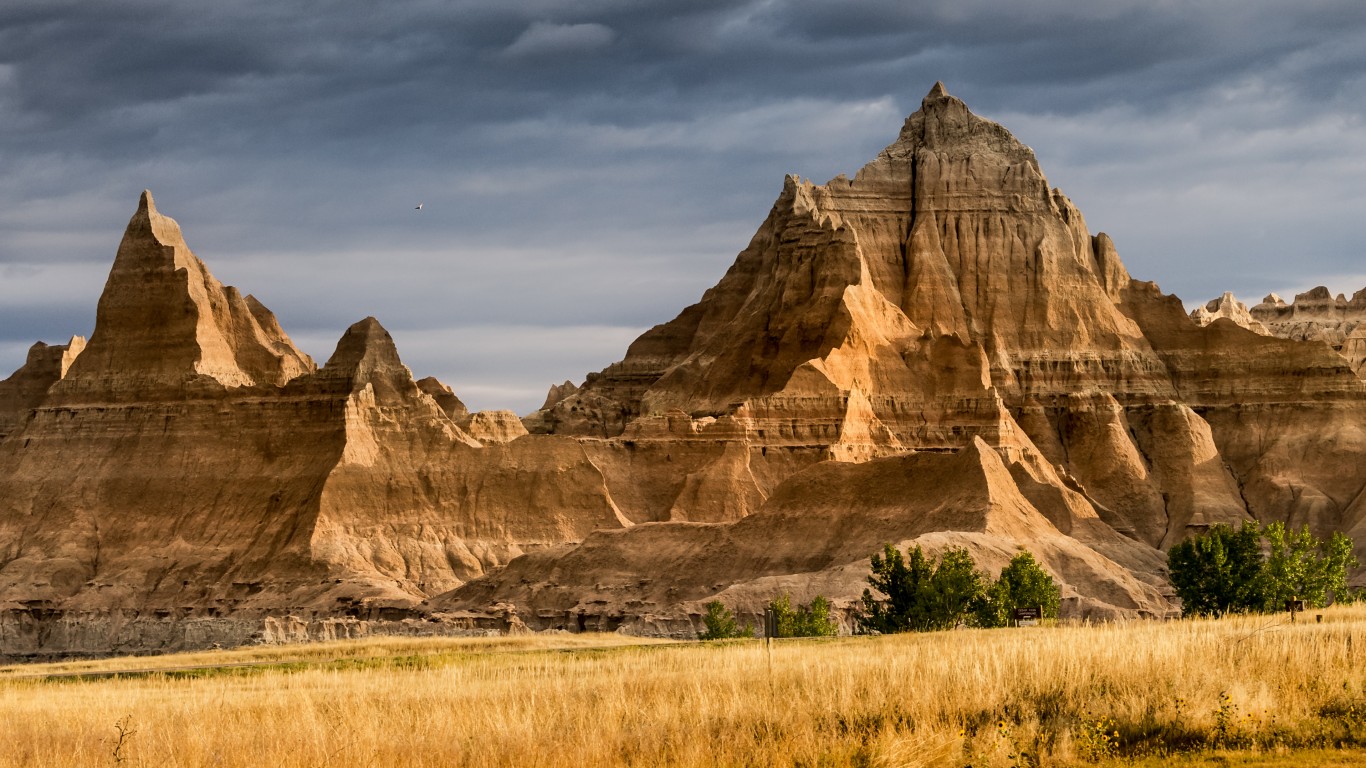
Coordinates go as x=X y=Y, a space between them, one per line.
x=27 y=387
x=944 y=299
x=192 y=474
x=444 y=397
x=935 y=352
x=1315 y=315
x=164 y=324
x=1228 y=306
x=947 y=293
x=813 y=536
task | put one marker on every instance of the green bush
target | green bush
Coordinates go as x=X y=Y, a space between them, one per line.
x=720 y=624
x=812 y=620
x=920 y=593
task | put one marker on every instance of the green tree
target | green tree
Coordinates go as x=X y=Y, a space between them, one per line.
x=1257 y=569
x=957 y=588
x=1336 y=559
x=720 y=624
x=899 y=584
x=919 y=593
x=1221 y=571
x=811 y=620
x=1299 y=565
x=1022 y=583
x=814 y=620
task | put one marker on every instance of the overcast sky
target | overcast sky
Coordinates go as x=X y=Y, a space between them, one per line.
x=588 y=168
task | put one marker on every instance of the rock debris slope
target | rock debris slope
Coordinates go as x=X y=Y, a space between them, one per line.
x=935 y=352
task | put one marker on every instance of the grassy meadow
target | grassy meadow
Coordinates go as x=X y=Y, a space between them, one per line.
x=1252 y=691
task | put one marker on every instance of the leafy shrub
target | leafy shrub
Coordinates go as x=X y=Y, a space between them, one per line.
x=720 y=624
x=812 y=620
x=919 y=593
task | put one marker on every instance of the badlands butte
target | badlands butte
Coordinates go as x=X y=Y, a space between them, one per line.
x=935 y=352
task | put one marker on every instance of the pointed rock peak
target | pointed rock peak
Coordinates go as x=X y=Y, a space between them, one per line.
x=365 y=342
x=980 y=448
x=939 y=99
x=444 y=397
x=366 y=355
x=164 y=322
x=559 y=392
x=148 y=221
x=945 y=124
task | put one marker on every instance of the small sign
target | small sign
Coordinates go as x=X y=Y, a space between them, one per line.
x=1028 y=616
x=770 y=623
x=1294 y=606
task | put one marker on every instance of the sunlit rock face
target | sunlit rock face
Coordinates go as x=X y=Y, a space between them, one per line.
x=1229 y=307
x=934 y=352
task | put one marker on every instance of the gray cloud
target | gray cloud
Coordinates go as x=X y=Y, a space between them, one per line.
x=596 y=165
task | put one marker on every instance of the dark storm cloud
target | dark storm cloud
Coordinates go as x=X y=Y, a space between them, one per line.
x=588 y=168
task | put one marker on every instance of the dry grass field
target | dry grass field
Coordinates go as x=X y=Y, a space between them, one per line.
x=1246 y=691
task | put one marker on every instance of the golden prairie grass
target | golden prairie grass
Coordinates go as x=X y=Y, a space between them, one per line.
x=1049 y=696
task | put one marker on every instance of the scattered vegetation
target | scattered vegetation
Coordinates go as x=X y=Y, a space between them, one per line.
x=123 y=731
x=921 y=593
x=1256 y=569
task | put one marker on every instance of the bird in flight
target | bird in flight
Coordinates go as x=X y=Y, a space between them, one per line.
x=419 y=207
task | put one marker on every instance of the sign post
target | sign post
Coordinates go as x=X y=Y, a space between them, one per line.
x=1028 y=615
x=770 y=631
x=1293 y=606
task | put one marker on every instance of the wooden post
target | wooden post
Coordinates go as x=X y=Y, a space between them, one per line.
x=770 y=631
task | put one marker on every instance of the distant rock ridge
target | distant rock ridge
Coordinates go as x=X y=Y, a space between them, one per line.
x=1229 y=307
x=444 y=397
x=1315 y=315
x=936 y=352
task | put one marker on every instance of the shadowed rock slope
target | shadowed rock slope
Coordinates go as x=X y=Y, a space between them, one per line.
x=934 y=352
